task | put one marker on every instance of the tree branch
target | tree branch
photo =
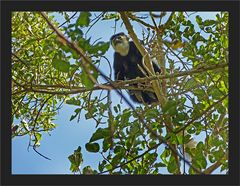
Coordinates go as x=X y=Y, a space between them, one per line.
x=200 y=115
x=218 y=163
x=144 y=53
x=74 y=46
x=134 y=18
x=133 y=159
x=117 y=84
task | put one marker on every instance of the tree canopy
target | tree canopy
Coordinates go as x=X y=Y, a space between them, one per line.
x=55 y=63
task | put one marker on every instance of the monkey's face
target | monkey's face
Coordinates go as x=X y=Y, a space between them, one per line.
x=120 y=43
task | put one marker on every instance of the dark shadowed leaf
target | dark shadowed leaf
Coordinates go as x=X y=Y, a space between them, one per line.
x=92 y=147
x=75 y=159
x=77 y=111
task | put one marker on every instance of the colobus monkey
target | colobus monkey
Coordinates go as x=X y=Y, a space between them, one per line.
x=128 y=65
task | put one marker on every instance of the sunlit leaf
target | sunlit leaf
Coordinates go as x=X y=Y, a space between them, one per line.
x=83 y=19
x=172 y=165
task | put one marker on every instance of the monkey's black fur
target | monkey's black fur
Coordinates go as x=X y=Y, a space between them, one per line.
x=126 y=67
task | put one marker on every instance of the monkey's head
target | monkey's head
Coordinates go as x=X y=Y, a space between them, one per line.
x=120 y=43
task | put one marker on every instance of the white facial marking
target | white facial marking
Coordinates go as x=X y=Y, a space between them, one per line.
x=121 y=45
x=122 y=48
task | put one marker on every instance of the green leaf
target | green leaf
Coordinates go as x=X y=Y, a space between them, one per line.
x=77 y=111
x=109 y=167
x=118 y=149
x=221 y=109
x=209 y=22
x=86 y=80
x=181 y=116
x=73 y=101
x=173 y=139
x=134 y=129
x=172 y=166
x=60 y=65
x=85 y=44
x=180 y=139
x=75 y=55
x=224 y=166
x=190 y=84
x=116 y=159
x=38 y=138
x=115 y=109
x=201 y=161
x=164 y=155
x=187 y=138
x=211 y=158
x=92 y=147
x=152 y=113
x=100 y=48
x=200 y=146
x=88 y=170
x=216 y=93
x=170 y=108
x=75 y=159
x=74 y=168
x=106 y=144
x=101 y=165
x=224 y=41
x=160 y=164
x=108 y=16
x=199 y=93
x=83 y=19
x=218 y=154
x=152 y=144
x=125 y=116
x=198 y=20
x=191 y=130
x=100 y=134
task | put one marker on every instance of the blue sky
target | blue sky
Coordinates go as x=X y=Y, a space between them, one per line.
x=69 y=135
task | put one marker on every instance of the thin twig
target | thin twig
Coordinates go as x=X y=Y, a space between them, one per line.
x=200 y=115
x=133 y=159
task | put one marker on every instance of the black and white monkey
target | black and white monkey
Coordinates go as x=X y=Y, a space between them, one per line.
x=128 y=65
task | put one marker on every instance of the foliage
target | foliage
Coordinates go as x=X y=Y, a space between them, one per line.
x=76 y=160
x=48 y=73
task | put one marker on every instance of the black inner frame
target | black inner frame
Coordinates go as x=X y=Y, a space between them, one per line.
x=234 y=67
